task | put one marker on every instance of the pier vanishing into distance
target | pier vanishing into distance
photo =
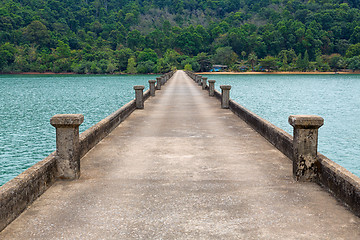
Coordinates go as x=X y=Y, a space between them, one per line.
x=183 y=165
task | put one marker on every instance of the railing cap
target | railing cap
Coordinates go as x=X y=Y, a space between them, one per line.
x=139 y=87
x=152 y=81
x=225 y=87
x=306 y=121
x=67 y=120
x=211 y=81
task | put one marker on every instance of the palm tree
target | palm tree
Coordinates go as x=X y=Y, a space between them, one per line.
x=252 y=59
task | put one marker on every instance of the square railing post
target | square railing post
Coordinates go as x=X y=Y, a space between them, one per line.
x=67 y=144
x=152 y=87
x=139 y=97
x=211 y=87
x=204 y=83
x=305 y=142
x=225 y=96
x=158 y=84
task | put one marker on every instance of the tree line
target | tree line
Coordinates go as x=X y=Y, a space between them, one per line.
x=151 y=36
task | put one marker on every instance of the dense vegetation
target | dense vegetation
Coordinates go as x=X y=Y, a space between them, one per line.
x=144 y=36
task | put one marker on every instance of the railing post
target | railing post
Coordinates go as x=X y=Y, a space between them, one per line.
x=305 y=143
x=158 y=84
x=204 y=82
x=139 y=98
x=199 y=80
x=152 y=87
x=225 y=95
x=211 y=87
x=67 y=144
x=197 y=77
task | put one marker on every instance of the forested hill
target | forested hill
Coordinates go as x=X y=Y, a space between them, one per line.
x=107 y=36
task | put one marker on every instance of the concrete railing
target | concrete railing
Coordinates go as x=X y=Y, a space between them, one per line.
x=21 y=191
x=344 y=185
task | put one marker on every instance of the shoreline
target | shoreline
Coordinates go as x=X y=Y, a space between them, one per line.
x=73 y=73
x=201 y=73
x=276 y=73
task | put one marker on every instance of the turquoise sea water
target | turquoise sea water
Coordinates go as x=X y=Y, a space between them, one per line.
x=27 y=102
x=336 y=98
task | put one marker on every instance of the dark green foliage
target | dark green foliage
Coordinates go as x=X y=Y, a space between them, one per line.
x=97 y=36
x=7 y=55
x=354 y=63
x=145 y=67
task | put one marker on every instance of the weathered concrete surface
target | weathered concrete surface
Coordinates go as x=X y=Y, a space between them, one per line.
x=25 y=188
x=305 y=142
x=67 y=144
x=183 y=168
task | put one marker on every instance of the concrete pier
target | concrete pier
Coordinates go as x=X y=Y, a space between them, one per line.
x=184 y=168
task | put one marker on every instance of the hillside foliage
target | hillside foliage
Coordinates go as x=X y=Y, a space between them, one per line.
x=145 y=36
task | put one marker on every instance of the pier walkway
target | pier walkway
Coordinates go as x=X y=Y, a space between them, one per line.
x=183 y=168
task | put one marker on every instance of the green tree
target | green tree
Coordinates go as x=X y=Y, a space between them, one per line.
x=192 y=62
x=353 y=50
x=269 y=63
x=36 y=32
x=172 y=58
x=306 y=62
x=145 y=67
x=354 y=63
x=121 y=57
x=131 y=66
x=147 y=55
x=355 y=36
x=243 y=54
x=225 y=55
x=163 y=66
x=204 y=61
x=7 y=55
x=252 y=59
x=63 y=50
x=188 y=67
x=336 y=61
x=303 y=64
x=135 y=40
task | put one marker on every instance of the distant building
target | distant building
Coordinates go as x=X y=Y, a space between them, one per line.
x=218 y=68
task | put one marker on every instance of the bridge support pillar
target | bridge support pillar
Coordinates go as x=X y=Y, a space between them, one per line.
x=211 y=88
x=204 y=82
x=152 y=87
x=305 y=164
x=67 y=144
x=139 y=97
x=158 y=85
x=225 y=95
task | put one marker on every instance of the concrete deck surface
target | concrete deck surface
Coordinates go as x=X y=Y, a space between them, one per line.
x=183 y=168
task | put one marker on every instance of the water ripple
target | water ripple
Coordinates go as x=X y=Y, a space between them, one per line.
x=28 y=102
x=334 y=97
